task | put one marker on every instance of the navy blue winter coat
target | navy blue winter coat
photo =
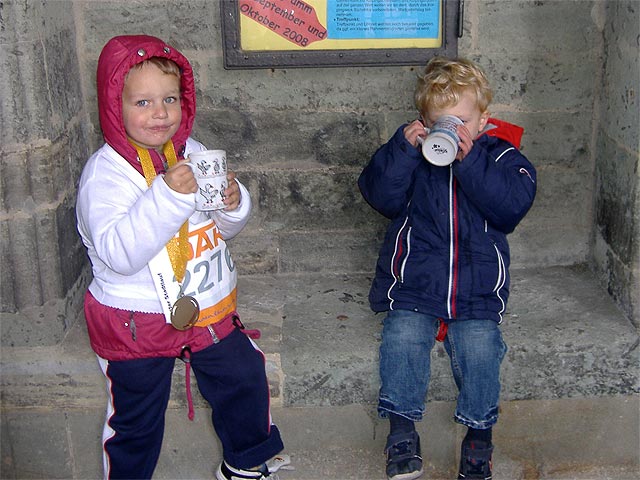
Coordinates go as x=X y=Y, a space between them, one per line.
x=445 y=251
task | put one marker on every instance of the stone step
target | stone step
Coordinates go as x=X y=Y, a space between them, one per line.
x=566 y=338
x=572 y=362
x=588 y=438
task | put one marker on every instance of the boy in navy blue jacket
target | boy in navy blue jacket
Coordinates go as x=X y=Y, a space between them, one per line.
x=443 y=269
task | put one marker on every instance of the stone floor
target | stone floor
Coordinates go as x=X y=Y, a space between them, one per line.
x=570 y=405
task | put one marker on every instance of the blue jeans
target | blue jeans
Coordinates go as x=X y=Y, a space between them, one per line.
x=475 y=348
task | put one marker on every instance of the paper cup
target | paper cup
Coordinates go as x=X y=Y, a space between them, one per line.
x=441 y=145
x=210 y=169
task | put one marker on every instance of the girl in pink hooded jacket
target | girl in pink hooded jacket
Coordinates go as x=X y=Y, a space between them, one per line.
x=150 y=251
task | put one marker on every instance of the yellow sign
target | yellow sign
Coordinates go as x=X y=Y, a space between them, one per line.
x=297 y=25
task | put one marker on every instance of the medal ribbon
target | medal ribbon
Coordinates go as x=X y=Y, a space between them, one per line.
x=177 y=247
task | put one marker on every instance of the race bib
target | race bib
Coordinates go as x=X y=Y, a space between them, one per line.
x=210 y=278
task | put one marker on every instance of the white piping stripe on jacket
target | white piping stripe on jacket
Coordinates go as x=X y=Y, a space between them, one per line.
x=393 y=257
x=502 y=278
x=406 y=257
x=451 y=246
x=500 y=156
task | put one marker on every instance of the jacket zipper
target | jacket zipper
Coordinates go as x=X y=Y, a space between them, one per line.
x=214 y=337
x=132 y=327
x=453 y=247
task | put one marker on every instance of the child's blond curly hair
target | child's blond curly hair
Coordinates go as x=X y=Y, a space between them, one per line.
x=166 y=66
x=444 y=80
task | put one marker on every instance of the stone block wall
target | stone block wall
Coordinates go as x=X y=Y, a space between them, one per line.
x=298 y=138
x=617 y=174
x=44 y=144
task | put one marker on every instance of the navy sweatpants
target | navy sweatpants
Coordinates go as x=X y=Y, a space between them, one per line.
x=231 y=377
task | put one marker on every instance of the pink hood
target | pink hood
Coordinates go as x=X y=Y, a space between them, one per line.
x=117 y=57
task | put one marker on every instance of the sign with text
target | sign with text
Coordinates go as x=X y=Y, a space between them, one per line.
x=394 y=19
x=305 y=33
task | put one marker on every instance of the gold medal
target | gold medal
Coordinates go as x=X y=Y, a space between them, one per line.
x=184 y=313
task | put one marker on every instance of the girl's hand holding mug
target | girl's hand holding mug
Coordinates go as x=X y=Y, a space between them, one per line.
x=180 y=178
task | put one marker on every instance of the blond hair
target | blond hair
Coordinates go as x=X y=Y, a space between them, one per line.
x=166 y=66
x=444 y=80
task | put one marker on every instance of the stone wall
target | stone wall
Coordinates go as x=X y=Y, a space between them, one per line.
x=44 y=144
x=617 y=216
x=298 y=138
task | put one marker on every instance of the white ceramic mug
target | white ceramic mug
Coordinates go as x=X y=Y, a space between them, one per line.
x=210 y=169
x=441 y=145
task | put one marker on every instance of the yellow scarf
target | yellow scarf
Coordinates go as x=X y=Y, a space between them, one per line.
x=177 y=247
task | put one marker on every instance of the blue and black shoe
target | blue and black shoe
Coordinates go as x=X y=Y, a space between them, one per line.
x=475 y=460
x=404 y=459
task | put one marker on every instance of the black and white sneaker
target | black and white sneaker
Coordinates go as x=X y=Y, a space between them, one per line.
x=227 y=472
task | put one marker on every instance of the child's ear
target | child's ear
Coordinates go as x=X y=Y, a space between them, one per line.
x=484 y=118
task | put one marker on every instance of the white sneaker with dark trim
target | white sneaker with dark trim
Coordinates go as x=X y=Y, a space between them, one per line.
x=227 y=472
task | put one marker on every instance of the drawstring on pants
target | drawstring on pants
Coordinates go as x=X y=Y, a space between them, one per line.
x=185 y=356
x=442 y=330
x=218 y=331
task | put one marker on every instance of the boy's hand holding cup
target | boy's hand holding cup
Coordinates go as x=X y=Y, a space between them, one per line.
x=440 y=147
